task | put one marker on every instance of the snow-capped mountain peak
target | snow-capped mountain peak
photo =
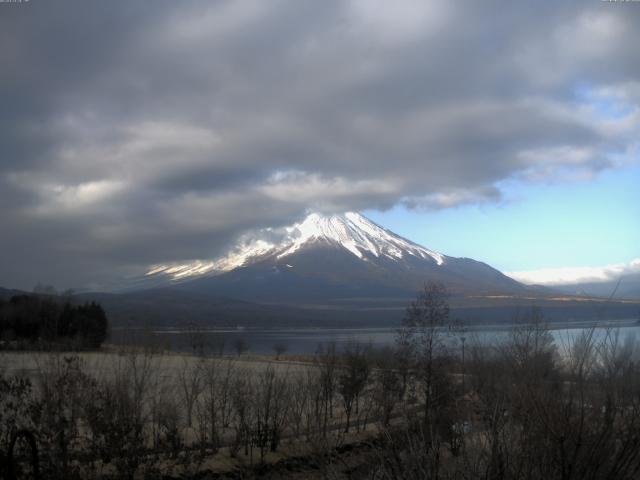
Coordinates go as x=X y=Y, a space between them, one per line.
x=350 y=231
x=355 y=233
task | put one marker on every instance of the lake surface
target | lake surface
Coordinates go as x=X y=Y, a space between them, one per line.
x=306 y=341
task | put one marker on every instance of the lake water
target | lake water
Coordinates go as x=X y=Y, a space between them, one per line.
x=306 y=341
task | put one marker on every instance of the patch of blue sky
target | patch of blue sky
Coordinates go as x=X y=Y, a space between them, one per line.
x=605 y=103
x=536 y=225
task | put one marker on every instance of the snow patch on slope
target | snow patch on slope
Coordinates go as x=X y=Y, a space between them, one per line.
x=234 y=259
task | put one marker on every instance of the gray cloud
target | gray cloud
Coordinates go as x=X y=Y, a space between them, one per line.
x=142 y=132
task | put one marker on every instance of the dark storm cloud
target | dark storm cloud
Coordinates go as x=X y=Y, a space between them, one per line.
x=140 y=132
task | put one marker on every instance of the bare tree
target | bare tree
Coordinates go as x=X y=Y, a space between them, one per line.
x=190 y=381
x=299 y=404
x=388 y=387
x=326 y=360
x=271 y=409
x=195 y=339
x=315 y=412
x=214 y=403
x=242 y=394
x=240 y=346
x=280 y=348
x=217 y=345
x=117 y=413
x=353 y=377
x=425 y=327
x=62 y=386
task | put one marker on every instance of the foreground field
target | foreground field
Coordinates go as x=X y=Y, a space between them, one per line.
x=132 y=411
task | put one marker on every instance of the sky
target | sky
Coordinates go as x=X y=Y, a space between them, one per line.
x=544 y=233
x=144 y=132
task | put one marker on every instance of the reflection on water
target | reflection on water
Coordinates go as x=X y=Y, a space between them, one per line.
x=306 y=341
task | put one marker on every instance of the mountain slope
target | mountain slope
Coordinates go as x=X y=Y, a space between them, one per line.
x=330 y=258
x=625 y=287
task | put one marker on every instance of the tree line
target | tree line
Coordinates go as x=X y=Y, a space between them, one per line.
x=26 y=319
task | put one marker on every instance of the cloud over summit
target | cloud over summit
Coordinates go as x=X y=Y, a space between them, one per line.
x=142 y=132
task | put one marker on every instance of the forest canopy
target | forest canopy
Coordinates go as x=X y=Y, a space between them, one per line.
x=46 y=318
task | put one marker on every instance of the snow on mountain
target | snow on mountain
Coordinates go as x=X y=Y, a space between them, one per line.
x=356 y=234
x=238 y=257
x=351 y=231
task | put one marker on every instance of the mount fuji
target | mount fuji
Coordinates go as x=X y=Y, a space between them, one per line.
x=329 y=258
x=330 y=270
